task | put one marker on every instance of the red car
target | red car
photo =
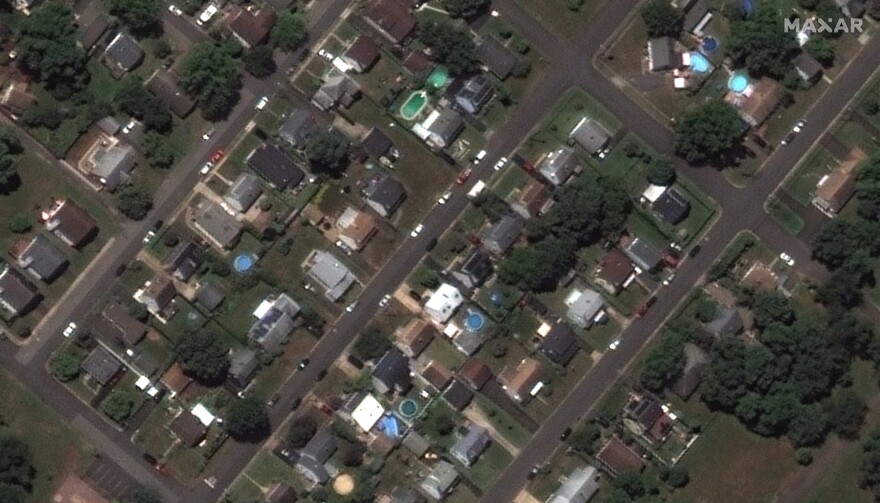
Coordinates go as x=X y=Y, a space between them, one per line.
x=644 y=308
x=218 y=155
x=463 y=176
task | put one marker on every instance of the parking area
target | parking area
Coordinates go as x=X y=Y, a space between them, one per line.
x=108 y=478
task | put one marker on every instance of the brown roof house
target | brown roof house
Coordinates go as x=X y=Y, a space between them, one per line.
x=175 y=380
x=16 y=98
x=475 y=373
x=158 y=294
x=613 y=271
x=532 y=200
x=392 y=19
x=761 y=278
x=126 y=327
x=758 y=101
x=252 y=29
x=414 y=337
x=18 y=295
x=164 y=85
x=356 y=228
x=617 y=458
x=521 y=382
x=362 y=54
x=188 y=429
x=437 y=376
x=70 y=223
x=835 y=189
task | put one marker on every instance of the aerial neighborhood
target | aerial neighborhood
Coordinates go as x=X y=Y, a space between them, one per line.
x=411 y=251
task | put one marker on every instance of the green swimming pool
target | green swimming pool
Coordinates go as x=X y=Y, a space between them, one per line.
x=438 y=78
x=414 y=105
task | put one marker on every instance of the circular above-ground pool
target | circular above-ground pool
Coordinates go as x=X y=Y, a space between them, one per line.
x=474 y=321
x=408 y=408
x=738 y=83
x=413 y=105
x=699 y=63
x=709 y=45
x=244 y=262
x=438 y=78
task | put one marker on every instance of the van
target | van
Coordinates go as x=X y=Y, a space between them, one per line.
x=207 y=14
x=477 y=188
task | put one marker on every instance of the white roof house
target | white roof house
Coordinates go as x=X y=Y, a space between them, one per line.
x=368 y=412
x=653 y=193
x=204 y=415
x=442 y=305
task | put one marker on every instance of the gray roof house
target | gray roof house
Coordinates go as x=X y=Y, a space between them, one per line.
x=578 y=487
x=558 y=165
x=17 y=294
x=497 y=58
x=298 y=128
x=101 y=366
x=469 y=447
x=221 y=228
x=807 y=67
x=376 y=143
x=124 y=52
x=469 y=342
x=42 y=259
x=560 y=344
x=315 y=454
x=590 y=135
x=210 y=296
x=112 y=165
x=474 y=269
x=392 y=373
x=243 y=365
x=330 y=273
x=243 y=193
x=183 y=260
x=440 y=480
x=583 y=308
x=662 y=55
x=500 y=236
x=474 y=94
x=726 y=321
x=696 y=15
x=275 y=323
x=440 y=128
x=384 y=194
x=643 y=255
x=338 y=89
x=696 y=361
x=269 y=162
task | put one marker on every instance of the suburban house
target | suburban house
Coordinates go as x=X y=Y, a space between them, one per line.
x=560 y=344
x=330 y=274
x=414 y=337
x=578 y=487
x=115 y=324
x=174 y=380
x=18 y=295
x=697 y=17
x=457 y=395
x=92 y=23
x=475 y=373
x=523 y=381
x=469 y=341
x=474 y=269
x=497 y=58
x=696 y=361
x=183 y=260
x=613 y=272
x=435 y=376
x=70 y=223
x=617 y=458
x=188 y=429
x=440 y=480
x=164 y=85
x=590 y=135
x=501 y=235
x=109 y=125
x=647 y=418
x=356 y=228
x=299 y=127
x=210 y=296
x=39 y=257
x=662 y=55
x=392 y=19
x=474 y=94
x=376 y=144
x=440 y=128
x=362 y=409
x=361 y=55
x=471 y=445
x=807 y=67
x=252 y=29
x=584 y=306
x=672 y=206
x=443 y=303
x=557 y=166
x=643 y=255
x=272 y=165
x=391 y=373
x=215 y=224
x=16 y=98
x=124 y=53
x=532 y=200
x=243 y=364
x=158 y=293
x=110 y=162
x=725 y=322
x=243 y=192
x=384 y=194
x=835 y=189
x=101 y=366
x=758 y=102
x=275 y=320
x=338 y=89
x=315 y=454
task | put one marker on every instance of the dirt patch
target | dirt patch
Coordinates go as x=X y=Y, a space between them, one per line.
x=75 y=490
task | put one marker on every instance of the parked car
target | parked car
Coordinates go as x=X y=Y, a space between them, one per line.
x=149 y=237
x=463 y=176
x=218 y=154
x=565 y=434
x=500 y=164
x=479 y=157
x=262 y=103
x=787 y=259
x=208 y=134
x=644 y=309
x=69 y=330
x=385 y=300
x=175 y=10
x=418 y=230
x=351 y=307
x=614 y=344
x=445 y=197
x=303 y=363
x=272 y=401
x=206 y=168
x=129 y=127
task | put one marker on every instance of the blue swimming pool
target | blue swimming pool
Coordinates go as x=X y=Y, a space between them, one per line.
x=390 y=426
x=709 y=45
x=699 y=63
x=475 y=321
x=738 y=83
x=244 y=262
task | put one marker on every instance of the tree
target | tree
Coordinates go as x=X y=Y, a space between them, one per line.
x=247 y=419
x=846 y=243
x=143 y=495
x=661 y=171
x=12 y=494
x=872 y=106
x=846 y=413
x=770 y=308
x=707 y=131
x=141 y=16
x=664 y=362
x=491 y=205
x=371 y=344
x=327 y=152
x=874 y=9
x=808 y=4
x=821 y=49
x=258 y=61
x=203 y=357
x=676 y=477
x=631 y=483
x=353 y=455
x=134 y=202
x=163 y=48
x=465 y=8
x=302 y=429
x=16 y=465
x=211 y=75
x=48 y=45
x=868 y=189
x=537 y=268
x=521 y=69
x=662 y=19
x=65 y=366
x=803 y=456
x=583 y=440
x=289 y=32
x=452 y=46
x=20 y=223
x=10 y=147
x=841 y=289
x=760 y=43
x=157 y=150
x=118 y=406
x=442 y=423
x=132 y=98
x=44 y=115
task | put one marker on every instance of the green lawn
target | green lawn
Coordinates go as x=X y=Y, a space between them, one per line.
x=558 y=18
x=785 y=216
x=802 y=182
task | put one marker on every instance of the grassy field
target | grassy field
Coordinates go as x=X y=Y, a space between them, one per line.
x=56 y=449
x=801 y=184
x=785 y=216
x=557 y=17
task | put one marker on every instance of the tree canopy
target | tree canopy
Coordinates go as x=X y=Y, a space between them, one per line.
x=538 y=267
x=141 y=16
x=665 y=361
x=371 y=344
x=465 y=8
x=662 y=19
x=10 y=148
x=133 y=99
x=661 y=171
x=760 y=43
x=143 y=495
x=134 y=202
x=247 y=419
x=48 y=45
x=203 y=357
x=289 y=32
x=258 y=61
x=302 y=429
x=16 y=465
x=707 y=131
x=821 y=49
x=211 y=74
x=118 y=406
x=327 y=152
x=452 y=46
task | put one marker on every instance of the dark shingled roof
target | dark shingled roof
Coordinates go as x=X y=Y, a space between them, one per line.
x=43 y=258
x=210 y=296
x=164 y=85
x=17 y=291
x=385 y=191
x=376 y=143
x=364 y=52
x=475 y=373
x=672 y=206
x=271 y=163
x=125 y=52
x=101 y=365
x=391 y=18
x=560 y=345
x=253 y=28
x=458 y=396
x=73 y=224
x=298 y=128
x=188 y=429
x=393 y=371
x=496 y=57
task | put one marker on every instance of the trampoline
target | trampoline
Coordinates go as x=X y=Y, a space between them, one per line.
x=414 y=105
x=709 y=45
x=244 y=262
x=474 y=321
x=438 y=78
x=496 y=298
x=738 y=83
x=699 y=63
x=408 y=408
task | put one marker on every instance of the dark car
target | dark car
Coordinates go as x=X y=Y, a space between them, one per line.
x=565 y=434
x=431 y=244
x=694 y=251
x=321 y=375
x=644 y=309
x=272 y=401
x=296 y=402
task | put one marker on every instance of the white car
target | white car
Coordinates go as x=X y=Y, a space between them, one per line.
x=385 y=300
x=128 y=127
x=208 y=134
x=262 y=103
x=603 y=153
x=787 y=259
x=351 y=307
x=445 y=197
x=415 y=232
x=500 y=164
x=669 y=279
x=206 y=168
x=207 y=14
x=614 y=344
x=799 y=126
x=326 y=55
x=149 y=237
x=71 y=328
x=344 y=247
x=175 y=10
x=479 y=157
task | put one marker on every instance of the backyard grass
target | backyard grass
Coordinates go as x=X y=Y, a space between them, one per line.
x=267 y=468
x=502 y=422
x=558 y=18
x=492 y=462
x=785 y=216
x=802 y=182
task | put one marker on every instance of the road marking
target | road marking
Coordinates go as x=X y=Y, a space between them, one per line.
x=826 y=78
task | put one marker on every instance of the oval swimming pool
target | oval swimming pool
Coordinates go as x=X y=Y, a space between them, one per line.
x=414 y=105
x=738 y=83
x=699 y=63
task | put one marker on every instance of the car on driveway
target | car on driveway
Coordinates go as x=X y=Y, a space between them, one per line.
x=787 y=259
x=351 y=307
x=149 y=237
x=175 y=10
x=614 y=344
x=418 y=230
x=262 y=103
x=479 y=157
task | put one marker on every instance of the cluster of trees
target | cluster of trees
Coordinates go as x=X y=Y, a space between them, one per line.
x=134 y=201
x=760 y=43
x=665 y=361
x=16 y=470
x=869 y=471
x=141 y=16
x=707 y=132
x=302 y=429
x=289 y=32
x=491 y=205
x=371 y=344
x=48 y=46
x=452 y=46
x=118 y=406
x=10 y=148
x=465 y=8
x=327 y=152
x=210 y=73
x=631 y=487
x=247 y=420
x=587 y=210
x=662 y=19
x=65 y=366
x=203 y=357
x=258 y=61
